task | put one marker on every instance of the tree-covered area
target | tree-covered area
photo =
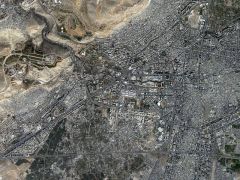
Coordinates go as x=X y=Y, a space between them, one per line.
x=223 y=12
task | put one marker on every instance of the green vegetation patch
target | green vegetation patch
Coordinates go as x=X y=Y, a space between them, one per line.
x=137 y=163
x=223 y=12
x=236 y=126
x=235 y=165
x=229 y=148
x=231 y=164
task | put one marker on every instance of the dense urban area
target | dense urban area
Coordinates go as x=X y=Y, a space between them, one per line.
x=120 y=90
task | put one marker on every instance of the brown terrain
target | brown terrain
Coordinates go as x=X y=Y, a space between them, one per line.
x=96 y=17
x=81 y=19
x=10 y=171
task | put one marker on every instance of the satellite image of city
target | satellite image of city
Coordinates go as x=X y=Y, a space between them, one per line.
x=119 y=89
